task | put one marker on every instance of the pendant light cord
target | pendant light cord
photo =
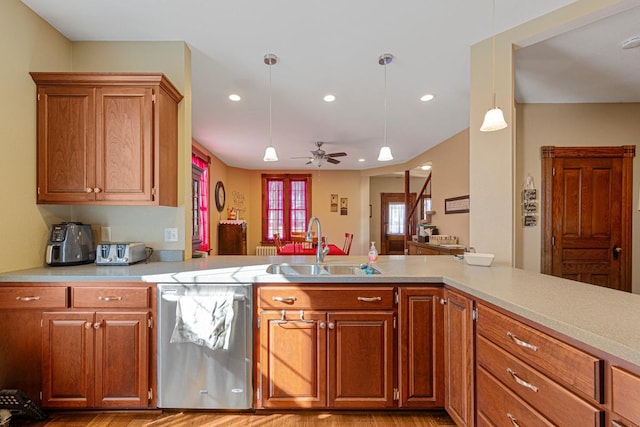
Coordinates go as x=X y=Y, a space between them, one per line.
x=385 y=102
x=493 y=53
x=270 y=121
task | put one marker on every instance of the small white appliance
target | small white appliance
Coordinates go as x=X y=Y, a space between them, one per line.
x=125 y=253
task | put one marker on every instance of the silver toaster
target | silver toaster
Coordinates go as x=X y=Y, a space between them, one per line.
x=120 y=253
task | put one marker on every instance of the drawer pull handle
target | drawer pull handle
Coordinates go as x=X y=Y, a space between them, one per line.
x=522 y=382
x=369 y=299
x=521 y=343
x=513 y=420
x=27 y=299
x=288 y=300
x=110 y=298
x=615 y=423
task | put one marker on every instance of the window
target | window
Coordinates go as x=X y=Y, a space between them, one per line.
x=200 y=200
x=426 y=206
x=286 y=205
x=396 y=218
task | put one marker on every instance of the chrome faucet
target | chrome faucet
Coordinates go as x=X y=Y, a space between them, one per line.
x=320 y=253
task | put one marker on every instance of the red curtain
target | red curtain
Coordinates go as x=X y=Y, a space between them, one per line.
x=204 y=201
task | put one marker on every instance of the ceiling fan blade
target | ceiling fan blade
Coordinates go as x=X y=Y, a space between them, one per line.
x=340 y=154
x=309 y=162
x=331 y=160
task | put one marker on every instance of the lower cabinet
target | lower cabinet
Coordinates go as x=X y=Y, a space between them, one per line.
x=337 y=347
x=458 y=357
x=96 y=354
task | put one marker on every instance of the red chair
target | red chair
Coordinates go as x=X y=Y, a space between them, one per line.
x=346 y=246
x=277 y=242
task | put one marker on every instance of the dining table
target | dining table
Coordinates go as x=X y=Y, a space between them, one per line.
x=300 y=249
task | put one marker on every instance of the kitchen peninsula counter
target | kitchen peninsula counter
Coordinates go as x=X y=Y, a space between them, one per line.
x=602 y=318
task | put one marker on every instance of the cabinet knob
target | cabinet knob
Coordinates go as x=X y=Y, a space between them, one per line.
x=96 y=325
x=88 y=325
x=96 y=190
x=88 y=190
x=322 y=325
x=443 y=301
x=331 y=325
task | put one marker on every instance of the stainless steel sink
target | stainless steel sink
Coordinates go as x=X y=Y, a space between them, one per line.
x=321 y=269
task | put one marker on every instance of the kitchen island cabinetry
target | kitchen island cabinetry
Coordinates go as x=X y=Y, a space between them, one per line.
x=322 y=347
x=107 y=139
x=96 y=354
x=420 y=347
x=458 y=357
x=418 y=248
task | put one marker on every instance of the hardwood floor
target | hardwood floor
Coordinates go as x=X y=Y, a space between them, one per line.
x=211 y=419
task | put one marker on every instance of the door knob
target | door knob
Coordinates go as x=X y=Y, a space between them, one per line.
x=616 y=251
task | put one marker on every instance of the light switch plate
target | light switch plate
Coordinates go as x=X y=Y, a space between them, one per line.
x=170 y=234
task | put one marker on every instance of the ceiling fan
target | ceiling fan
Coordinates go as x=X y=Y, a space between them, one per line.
x=319 y=156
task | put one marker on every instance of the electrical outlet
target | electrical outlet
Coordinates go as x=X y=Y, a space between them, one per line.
x=105 y=234
x=170 y=234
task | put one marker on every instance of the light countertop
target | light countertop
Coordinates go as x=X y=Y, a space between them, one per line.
x=603 y=318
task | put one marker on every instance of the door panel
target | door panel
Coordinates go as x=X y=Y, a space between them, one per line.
x=586 y=202
x=293 y=359
x=392 y=222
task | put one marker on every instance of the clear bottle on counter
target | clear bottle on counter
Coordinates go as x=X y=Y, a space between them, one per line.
x=373 y=253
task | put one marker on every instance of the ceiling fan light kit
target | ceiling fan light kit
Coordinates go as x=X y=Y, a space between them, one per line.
x=319 y=156
x=494 y=118
x=270 y=154
x=385 y=152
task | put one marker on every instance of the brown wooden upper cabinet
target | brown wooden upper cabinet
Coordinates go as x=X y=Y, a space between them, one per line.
x=107 y=139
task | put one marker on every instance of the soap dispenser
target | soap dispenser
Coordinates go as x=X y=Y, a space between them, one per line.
x=373 y=253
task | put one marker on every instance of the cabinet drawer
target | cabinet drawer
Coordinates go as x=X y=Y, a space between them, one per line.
x=576 y=368
x=554 y=401
x=625 y=394
x=110 y=297
x=22 y=297
x=501 y=406
x=325 y=298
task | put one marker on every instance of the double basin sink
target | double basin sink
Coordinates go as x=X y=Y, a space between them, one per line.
x=321 y=269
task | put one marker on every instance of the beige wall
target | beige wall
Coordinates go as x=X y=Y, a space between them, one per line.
x=244 y=191
x=28 y=44
x=572 y=125
x=492 y=180
x=449 y=178
x=145 y=224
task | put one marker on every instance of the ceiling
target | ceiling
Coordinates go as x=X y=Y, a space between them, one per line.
x=332 y=47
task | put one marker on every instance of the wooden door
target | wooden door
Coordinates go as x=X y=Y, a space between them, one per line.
x=361 y=359
x=458 y=358
x=421 y=348
x=67 y=359
x=66 y=144
x=587 y=202
x=392 y=222
x=293 y=359
x=124 y=154
x=122 y=360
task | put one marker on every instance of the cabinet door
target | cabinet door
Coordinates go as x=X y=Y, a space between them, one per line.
x=122 y=360
x=66 y=144
x=459 y=358
x=421 y=348
x=67 y=359
x=293 y=359
x=361 y=348
x=124 y=153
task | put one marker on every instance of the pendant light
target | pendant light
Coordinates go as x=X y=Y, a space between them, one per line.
x=385 y=151
x=494 y=119
x=270 y=153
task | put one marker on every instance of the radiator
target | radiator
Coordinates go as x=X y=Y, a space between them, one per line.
x=266 y=250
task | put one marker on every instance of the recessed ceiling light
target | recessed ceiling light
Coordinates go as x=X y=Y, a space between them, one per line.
x=361 y=160
x=427 y=97
x=329 y=98
x=425 y=167
x=631 y=42
x=234 y=97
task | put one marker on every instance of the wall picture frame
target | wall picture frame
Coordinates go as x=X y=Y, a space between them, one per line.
x=455 y=205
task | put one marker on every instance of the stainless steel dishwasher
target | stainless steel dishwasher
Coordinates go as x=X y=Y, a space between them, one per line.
x=194 y=376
